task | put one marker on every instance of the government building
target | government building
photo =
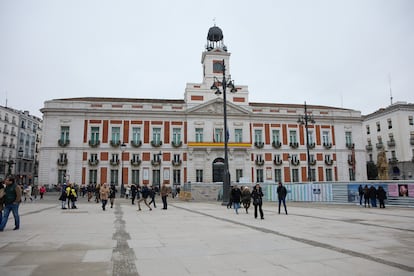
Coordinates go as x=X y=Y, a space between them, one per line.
x=154 y=141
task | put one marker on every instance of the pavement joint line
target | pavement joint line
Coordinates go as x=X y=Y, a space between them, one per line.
x=123 y=256
x=307 y=241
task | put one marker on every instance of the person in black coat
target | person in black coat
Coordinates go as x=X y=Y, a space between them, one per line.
x=281 y=194
x=361 y=194
x=366 y=196
x=236 y=197
x=381 y=195
x=134 y=191
x=257 y=196
x=373 y=196
x=112 y=193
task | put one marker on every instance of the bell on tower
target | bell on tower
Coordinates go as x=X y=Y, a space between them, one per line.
x=215 y=39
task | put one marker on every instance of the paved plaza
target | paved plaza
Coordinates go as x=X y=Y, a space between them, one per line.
x=201 y=238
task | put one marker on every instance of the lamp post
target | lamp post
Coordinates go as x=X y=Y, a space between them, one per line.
x=224 y=84
x=20 y=155
x=123 y=148
x=305 y=120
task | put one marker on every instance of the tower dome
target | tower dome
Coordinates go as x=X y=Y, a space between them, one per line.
x=215 y=39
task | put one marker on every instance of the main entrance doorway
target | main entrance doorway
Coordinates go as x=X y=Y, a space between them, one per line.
x=218 y=170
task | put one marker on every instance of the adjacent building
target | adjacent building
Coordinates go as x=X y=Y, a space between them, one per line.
x=154 y=141
x=391 y=130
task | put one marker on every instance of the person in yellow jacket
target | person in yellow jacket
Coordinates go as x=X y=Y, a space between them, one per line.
x=71 y=195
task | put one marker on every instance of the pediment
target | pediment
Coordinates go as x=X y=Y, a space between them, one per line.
x=216 y=107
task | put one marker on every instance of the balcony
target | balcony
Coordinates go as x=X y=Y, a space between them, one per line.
x=311 y=145
x=327 y=145
x=393 y=160
x=350 y=162
x=329 y=162
x=62 y=162
x=380 y=145
x=276 y=144
x=155 y=162
x=176 y=162
x=259 y=162
x=312 y=162
x=63 y=142
x=94 y=143
x=295 y=162
x=277 y=161
x=350 y=145
x=136 y=144
x=259 y=145
x=135 y=162
x=115 y=143
x=294 y=145
x=156 y=144
x=176 y=144
x=391 y=143
x=368 y=147
x=93 y=162
x=114 y=162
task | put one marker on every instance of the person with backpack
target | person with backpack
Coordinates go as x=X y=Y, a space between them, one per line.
x=145 y=193
x=12 y=198
x=152 y=194
x=281 y=194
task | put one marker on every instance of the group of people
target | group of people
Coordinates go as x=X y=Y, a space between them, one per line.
x=370 y=195
x=244 y=196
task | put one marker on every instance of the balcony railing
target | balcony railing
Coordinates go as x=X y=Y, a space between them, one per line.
x=295 y=162
x=155 y=162
x=391 y=143
x=350 y=162
x=368 y=147
x=115 y=143
x=393 y=160
x=176 y=162
x=176 y=144
x=276 y=144
x=380 y=145
x=136 y=144
x=94 y=143
x=93 y=162
x=329 y=162
x=311 y=145
x=277 y=162
x=114 y=162
x=294 y=145
x=156 y=144
x=135 y=162
x=312 y=162
x=350 y=145
x=63 y=142
x=259 y=145
x=259 y=162
x=327 y=145
x=62 y=162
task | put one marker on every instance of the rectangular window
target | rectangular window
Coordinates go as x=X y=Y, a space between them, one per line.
x=61 y=177
x=114 y=177
x=94 y=134
x=176 y=157
x=136 y=135
x=116 y=134
x=114 y=157
x=64 y=134
x=156 y=178
x=351 y=174
x=199 y=135
x=176 y=177
x=258 y=136
x=295 y=175
x=135 y=177
x=389 y=124
x=93 y=177
x=368 y=130
x=328 y=174
x=370 y=157
x=278 y=175
x=378 y=127
x=259 y=175
x=276 y=135
x=292 y=136
x=62 y=157
x=348 y=138
x=156 y=135
x=176 y=136
x=199 y=175
x=218 y=135
x=310 y=137
x=239 y=174
x=410 y=120
x=325 y=137
x=238 y=135
x=313 y=174
x=135 y=157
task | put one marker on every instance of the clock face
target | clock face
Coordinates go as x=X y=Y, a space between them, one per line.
x=218 y=67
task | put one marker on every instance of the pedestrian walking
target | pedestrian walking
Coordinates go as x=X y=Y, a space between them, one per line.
x=42 y=191
x=382 y=196
x=152 y=194
x=104 y=195
x=230 y=203
x=366 y=196
x=281 y=195
x=165 y=190
x=12 y=198
x=72 y=196
x=2 y=193
x=112 y=193
x=257 y=196
x=246 y=198
x=63 y=196
x=90 y=189
x=361 y=194
x=373 y=196
x=28 y=192
x=236 y=197
x=97 y=192
x=134 y=192
x=144 y=196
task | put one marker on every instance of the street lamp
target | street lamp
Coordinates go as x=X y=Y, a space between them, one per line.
x=123 y=148
x=20 y=154
x=305 y=120
x=224 y=84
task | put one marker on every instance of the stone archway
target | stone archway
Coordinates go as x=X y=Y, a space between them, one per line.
x=218 y=169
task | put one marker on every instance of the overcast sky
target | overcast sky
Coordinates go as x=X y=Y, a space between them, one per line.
x=335 y=53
